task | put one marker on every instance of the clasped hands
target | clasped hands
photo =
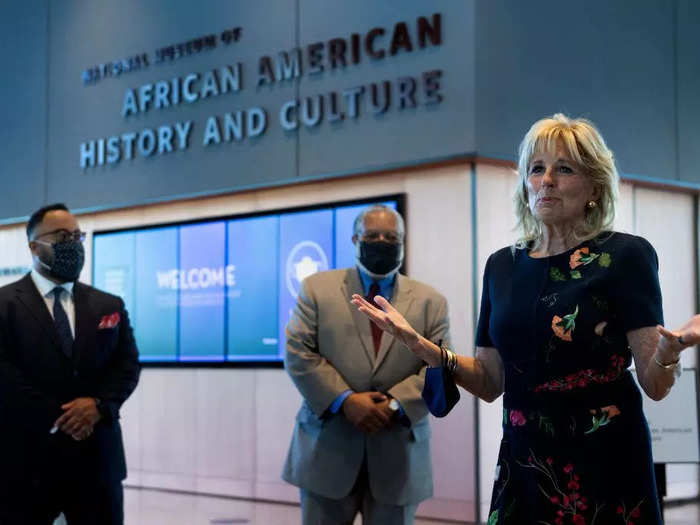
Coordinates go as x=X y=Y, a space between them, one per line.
x=368 y=411
x=79 y=418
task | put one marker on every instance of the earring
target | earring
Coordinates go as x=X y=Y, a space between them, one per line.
x=592 y=204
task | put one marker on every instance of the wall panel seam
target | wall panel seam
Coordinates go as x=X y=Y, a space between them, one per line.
x=475 y=299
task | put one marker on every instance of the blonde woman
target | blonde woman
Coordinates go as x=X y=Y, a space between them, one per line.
x=563 y=313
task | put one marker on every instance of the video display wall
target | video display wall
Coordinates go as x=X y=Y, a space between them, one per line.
x=222 y=290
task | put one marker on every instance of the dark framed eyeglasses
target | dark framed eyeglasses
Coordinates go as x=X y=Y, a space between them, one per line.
x=388 y=236
x=65 y=235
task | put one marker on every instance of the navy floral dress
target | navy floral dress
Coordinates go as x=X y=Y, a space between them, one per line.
x=575 y=447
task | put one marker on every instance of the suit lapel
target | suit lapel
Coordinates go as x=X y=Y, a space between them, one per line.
x=401 y=300
x=30 y=297
x=353 y=285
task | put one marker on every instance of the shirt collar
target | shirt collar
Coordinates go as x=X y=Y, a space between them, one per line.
x=386 y=285
x=46 y=286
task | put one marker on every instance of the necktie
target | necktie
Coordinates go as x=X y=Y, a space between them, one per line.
x=376 y=331
x=60 y=319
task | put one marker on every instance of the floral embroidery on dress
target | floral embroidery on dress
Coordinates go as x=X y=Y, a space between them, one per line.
x=517 y=418
x=626 y=516
x=553 y=364
x=502 y=479
x=563 y=327
x=562 y=492
x=556 y=274
x=602 y=417
x=582 y=257
x=493 y=518
x=550 y=300
x=583 y=378
x=545 y=424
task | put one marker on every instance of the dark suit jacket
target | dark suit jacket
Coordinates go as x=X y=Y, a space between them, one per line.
x=36 y=378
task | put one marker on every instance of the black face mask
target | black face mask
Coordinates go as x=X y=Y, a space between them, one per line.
x=68 y=260
x=380 y=257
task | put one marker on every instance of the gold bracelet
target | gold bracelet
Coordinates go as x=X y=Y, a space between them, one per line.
x=674 y=367
x=666 y=366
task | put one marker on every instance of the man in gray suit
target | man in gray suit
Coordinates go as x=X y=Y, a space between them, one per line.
x=361 y=441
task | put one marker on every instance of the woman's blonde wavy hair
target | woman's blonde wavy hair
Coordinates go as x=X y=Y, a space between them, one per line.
x=584 y=144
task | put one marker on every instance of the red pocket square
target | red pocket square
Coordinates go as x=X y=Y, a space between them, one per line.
x=109 y=321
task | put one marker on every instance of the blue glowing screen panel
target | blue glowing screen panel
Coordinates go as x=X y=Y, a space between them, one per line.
x=223 y=290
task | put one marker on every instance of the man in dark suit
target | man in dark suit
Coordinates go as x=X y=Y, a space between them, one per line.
x=68 y=361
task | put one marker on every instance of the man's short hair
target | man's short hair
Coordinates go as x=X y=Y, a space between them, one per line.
x=359 y=223
x=39 y=214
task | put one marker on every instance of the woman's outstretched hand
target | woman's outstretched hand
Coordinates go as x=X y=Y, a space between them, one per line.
x=388 y=319
x=687 y=335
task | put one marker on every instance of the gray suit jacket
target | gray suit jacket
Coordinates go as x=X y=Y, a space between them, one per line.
x=329 y=350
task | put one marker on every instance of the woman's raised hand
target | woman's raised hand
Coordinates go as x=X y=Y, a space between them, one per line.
x=687 y=335
x=388 y=319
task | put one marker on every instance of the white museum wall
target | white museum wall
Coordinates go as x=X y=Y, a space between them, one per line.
x=666 y=219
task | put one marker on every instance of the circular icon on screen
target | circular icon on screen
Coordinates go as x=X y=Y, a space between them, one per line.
x=306 y=258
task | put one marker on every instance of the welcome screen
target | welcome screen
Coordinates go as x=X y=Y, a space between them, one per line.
x=220 y=290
